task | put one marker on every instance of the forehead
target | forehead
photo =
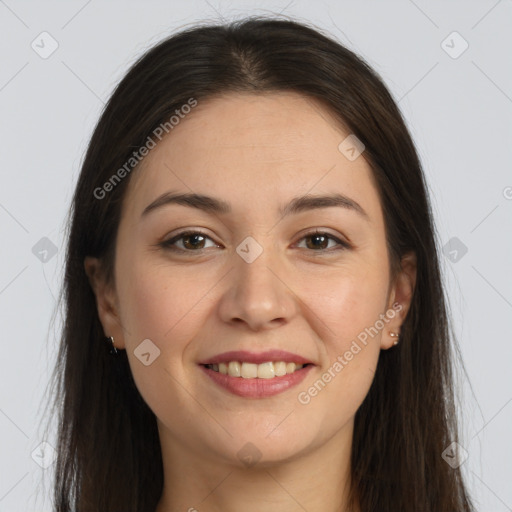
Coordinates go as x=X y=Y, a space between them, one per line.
x=254 y=150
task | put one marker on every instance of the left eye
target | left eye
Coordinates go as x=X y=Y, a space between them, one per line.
x=193 y=241
x=320 y=239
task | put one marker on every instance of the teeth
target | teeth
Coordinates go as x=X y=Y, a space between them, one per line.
x=280 y=369
x=234 y=369
x=267 y=370
x=249 y=370
x=290 y=367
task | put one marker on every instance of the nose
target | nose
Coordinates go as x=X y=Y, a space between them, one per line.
x=257 y=294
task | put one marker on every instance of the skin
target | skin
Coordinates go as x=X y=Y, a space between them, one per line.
x=256 y=152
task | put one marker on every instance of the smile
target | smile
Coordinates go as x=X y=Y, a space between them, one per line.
x=256 y=380
x=244 y=370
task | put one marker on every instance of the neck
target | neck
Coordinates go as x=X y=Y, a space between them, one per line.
x=318 y=479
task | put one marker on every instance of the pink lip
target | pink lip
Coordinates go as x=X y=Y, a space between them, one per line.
x=257 y=388
x=252 y=357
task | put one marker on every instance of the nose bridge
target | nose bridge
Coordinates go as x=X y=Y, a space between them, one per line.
x=253 y=270
x=256 y=292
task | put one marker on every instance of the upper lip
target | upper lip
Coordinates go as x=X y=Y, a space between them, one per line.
x=256 y=358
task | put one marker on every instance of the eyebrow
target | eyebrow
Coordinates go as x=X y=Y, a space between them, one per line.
x=213 y=205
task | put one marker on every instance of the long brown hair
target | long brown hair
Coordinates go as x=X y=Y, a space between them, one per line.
x=108 y=453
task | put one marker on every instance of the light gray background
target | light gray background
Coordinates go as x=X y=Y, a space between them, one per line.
x=459 y=111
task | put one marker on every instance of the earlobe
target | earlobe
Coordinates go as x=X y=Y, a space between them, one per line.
x=106 y=301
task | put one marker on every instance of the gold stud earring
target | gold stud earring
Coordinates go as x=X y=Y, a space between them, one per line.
x=395 y=335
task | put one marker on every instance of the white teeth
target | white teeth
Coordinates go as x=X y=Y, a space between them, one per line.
x=267 y=370
x=249 y=370
x=234 y=369
x=290 y=367
x=280 y=369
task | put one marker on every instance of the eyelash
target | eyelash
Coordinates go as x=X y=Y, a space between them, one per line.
x=169 y=244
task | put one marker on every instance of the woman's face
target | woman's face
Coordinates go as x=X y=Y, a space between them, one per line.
x=256 y=279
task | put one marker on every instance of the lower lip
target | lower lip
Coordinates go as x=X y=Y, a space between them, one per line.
x=257 y=388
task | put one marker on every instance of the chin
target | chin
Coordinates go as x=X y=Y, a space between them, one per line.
x=252 y=449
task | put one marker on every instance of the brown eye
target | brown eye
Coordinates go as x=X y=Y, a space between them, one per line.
x=191 y=241
x=319 y=242
x=194 y=241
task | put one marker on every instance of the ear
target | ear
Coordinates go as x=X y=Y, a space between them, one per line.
x=106 y=301
x=400 y=296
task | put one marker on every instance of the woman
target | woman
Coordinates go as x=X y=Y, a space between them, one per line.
x=252 y=240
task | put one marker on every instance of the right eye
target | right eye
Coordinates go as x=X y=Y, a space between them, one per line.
x=192 y=241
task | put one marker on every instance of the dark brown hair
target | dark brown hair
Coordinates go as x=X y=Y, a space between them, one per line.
x=109 y=456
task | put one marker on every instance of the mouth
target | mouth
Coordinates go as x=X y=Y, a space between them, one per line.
x=255 y=380
x=251 y=375
x=267 y=370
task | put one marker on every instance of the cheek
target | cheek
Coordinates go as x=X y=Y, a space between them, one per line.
x=158 y=304
x=163 y=307
x=348 y=302
x=350 y=306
